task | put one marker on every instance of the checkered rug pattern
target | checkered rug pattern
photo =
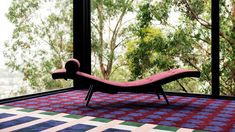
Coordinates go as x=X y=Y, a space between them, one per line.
x=28 y=120
x=186 y=112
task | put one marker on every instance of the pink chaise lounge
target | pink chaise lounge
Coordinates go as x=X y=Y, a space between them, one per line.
x=150 y=84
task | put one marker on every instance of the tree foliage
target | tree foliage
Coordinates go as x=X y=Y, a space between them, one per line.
x=109 y=32
x=186 y=43
x=161 y=45
x=41 y=41
x=227 y=47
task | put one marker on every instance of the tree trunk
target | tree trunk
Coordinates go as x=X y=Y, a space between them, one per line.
x=106 y=67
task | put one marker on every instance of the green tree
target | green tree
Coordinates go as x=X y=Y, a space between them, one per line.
x=186 y=43
x=109 y=21
x=161 y=44
x=227 y=47
x=42 y=38
x=41 y=41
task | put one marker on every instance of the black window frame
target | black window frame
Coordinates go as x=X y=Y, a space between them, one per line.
x=82 y=38
x=215 y=48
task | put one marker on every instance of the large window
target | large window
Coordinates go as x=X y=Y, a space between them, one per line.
x=135 y=39
x=40 y=41
x=130 y=39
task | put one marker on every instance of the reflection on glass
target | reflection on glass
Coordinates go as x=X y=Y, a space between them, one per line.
x=41 y=41
x=135 y=39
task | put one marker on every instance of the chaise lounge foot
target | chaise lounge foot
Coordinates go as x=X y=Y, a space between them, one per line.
x=164 y=95
x=89 y=95
x=88 y=92
x=157 y=93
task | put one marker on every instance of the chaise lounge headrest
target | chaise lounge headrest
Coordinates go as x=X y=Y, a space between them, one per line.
x=72 y=66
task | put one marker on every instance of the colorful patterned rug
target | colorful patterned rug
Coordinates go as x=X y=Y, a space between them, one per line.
x=186 y=112
x=28 y=120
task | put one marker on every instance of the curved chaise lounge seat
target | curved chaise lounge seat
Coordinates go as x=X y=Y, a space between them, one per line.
x=150 y=84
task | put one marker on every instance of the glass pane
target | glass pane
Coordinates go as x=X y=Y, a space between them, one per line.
x=133 y=39
x=227 y=43
x=36 y=38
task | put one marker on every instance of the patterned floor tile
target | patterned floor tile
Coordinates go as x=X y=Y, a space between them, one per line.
x=49 y=121
x=191 y=112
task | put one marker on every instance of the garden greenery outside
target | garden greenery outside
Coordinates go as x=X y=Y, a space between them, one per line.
x=130 y=39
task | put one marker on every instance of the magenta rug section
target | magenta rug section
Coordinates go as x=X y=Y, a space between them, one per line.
x=189 y=112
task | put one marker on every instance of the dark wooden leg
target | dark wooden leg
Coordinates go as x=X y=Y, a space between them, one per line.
x=89 y=90
x=157 y=93
x=164 y=95
x=89 y=95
